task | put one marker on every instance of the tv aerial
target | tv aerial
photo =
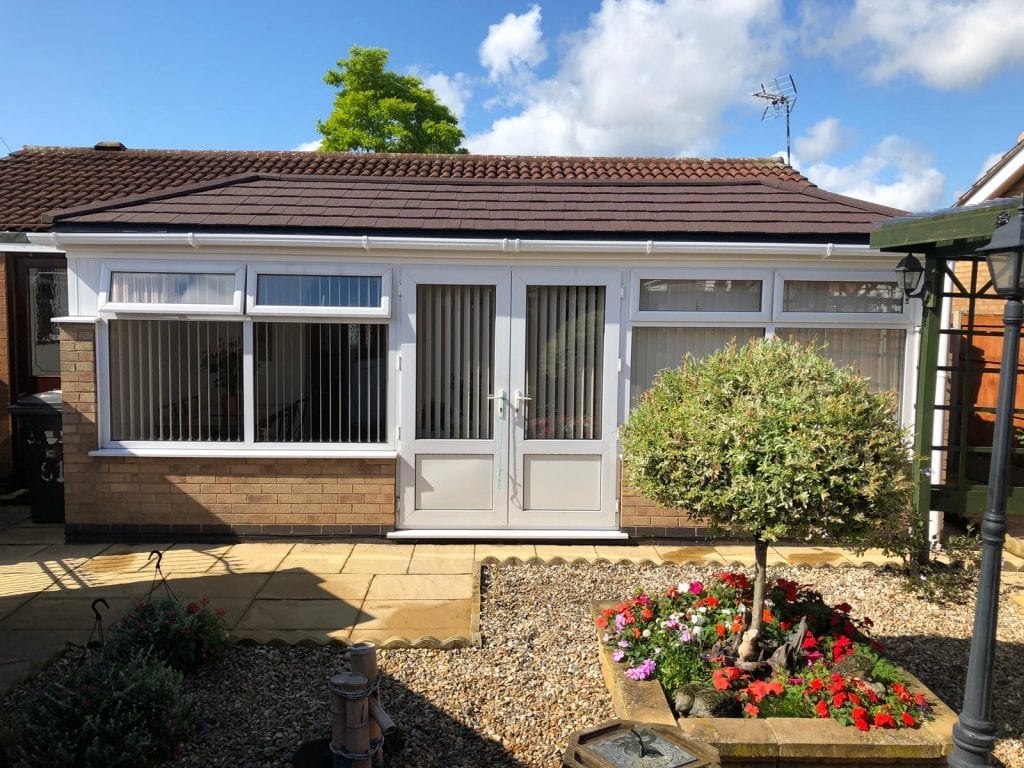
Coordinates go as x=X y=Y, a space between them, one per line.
x=780 y=96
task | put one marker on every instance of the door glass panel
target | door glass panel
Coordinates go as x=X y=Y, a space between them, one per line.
x=454 y=361
x=48 y=298
x=564 y=361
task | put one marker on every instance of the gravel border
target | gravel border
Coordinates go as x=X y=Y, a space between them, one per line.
x=536 y=679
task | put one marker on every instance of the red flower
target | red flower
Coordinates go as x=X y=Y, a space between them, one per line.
x=839 y=699
x=776 y=687
x=766 y=616
x=736 y=627
x=822 y=709
x=908 y=720
x=809 y=641
x=751 y=710
x=859 y=713
x=816 y=684
x=877 y=647
x=646 y=614
x=844 y=607
x=885 y=720
x=720 y=630
x=601 y=621
x=785 y=626
x=672 y=592
x=192 y=608
x=710 y=601
x=861 y=723
x=636 y=633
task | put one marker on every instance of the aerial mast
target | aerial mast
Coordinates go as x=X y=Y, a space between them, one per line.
x=780 y=96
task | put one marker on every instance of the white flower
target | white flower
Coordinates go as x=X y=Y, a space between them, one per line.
x=683 y=586
x=647 y=633
x=703 y=609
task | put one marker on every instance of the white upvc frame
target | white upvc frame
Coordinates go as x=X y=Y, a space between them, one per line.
x=659 y=317
x=257 y=268
x=171 y=266
x=877 y=319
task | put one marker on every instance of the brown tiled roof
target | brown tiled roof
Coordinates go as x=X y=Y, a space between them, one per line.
x=617 y=208
x=40 y=179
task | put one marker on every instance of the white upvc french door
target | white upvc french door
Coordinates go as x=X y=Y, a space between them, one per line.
x=508 y=397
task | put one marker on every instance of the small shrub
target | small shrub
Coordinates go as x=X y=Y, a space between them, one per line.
x=185 y=636
x=108 y=714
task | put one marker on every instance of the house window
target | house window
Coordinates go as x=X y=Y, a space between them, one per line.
x=842 y=296
x=176 y=380
x=319 y=290
x=700 y=295
x=320 y=382
x=171 y=288
x=875 y=353
x=48 y=298
x=655 y=349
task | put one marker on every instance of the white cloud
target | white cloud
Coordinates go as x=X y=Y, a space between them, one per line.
x=946 y=43
x=895 y=172
x=308 y=146
x=454 y=92
x=991 y=160
x=513 y=44
x=824 y=138
x=645 y=77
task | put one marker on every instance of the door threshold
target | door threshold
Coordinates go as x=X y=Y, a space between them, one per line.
x=483 y=534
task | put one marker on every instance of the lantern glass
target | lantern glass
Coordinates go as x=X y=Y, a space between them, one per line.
x=1005 y=267
x=911 y=274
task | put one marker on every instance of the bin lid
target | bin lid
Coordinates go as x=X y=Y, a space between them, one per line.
x=44 y=403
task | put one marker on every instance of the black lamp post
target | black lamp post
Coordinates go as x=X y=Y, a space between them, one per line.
x=974 y=734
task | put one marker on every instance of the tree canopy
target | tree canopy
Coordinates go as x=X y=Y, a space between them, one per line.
x=775 y=441
x=377 y=110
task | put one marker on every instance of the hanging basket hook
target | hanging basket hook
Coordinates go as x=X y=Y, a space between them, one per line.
x=95 y=610
x=159 y=557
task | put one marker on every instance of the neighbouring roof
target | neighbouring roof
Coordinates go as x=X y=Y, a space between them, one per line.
x=35 y=180
x=687 y=207
x=1003 y=178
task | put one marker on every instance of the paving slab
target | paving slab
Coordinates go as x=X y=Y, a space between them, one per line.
x=440 y=558
x=872 y=557
x=633 y=553
x=191 y=558
x=60 y=613
x=34 y=534
x=328 y=615
x=421 y=587
x=317 y=558
x=9 y=604
x=379 y=558
x=251 y=557
x=295 y=586
x=810 y=555
x=742 y=554
x=123 y=558
x=75 y=584
x=686 y=554
x=216 y=586
x=10 y=516
x=69 y=556
x=12 y=554
x=439 y=618
x=17 y=582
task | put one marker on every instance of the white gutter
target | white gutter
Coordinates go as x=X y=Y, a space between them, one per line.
x=29 y=247
x=495 y=245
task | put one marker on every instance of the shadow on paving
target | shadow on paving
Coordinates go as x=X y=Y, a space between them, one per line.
x=263 y=703
x=941 y=664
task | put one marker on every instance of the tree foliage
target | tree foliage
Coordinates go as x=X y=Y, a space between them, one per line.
x=773 y=440
x=377 y=110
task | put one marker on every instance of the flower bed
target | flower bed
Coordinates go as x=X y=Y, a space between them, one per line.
x=814 y=660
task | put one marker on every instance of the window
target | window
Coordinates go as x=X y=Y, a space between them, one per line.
x=700 y=295
x=48 y=298
x=176 y=380
x=313 y=373
x=655 y=349
x=876 y=353
x=843 y=296
x=320 y=382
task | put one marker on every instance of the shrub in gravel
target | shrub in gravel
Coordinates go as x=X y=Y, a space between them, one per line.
x=774 y=440
x=127 y=713
x=183 y=635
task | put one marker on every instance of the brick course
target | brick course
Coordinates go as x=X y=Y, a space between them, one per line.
x=139 y=496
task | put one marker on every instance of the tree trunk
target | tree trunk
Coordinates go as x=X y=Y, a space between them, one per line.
x=748 y=648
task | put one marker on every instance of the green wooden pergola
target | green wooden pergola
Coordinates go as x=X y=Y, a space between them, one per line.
x=941 y=238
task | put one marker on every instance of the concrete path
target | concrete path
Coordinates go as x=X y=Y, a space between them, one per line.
x=398 y=595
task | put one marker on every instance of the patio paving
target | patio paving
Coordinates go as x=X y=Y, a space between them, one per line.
x=398 y=595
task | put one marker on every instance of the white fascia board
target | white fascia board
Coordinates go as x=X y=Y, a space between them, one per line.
x=31 y=246
x=1000 y=181
x=479 y=246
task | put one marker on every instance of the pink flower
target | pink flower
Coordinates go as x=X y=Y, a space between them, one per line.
x=696 y=587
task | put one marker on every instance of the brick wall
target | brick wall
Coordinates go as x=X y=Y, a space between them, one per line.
x=206 y=497
x=643 y=518
x=6 y=459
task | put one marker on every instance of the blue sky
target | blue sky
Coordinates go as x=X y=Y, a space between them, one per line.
x=900 y=101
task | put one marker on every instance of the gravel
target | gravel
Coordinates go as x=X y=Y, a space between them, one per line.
x=516 y=700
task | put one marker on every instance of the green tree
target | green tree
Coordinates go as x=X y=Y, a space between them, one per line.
x=376 y=110
x=773 y=440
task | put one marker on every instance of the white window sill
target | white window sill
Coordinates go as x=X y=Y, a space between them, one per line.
x=247 y=453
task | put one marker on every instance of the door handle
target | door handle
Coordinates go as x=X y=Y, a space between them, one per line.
x=500 y=397
x=519 y=397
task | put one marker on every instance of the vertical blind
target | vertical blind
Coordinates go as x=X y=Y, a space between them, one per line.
x=320 y=382
x=171 y=288
x=455 y=361
x=877 y=354
x=564 y=361
x=175 y=380
x=655 y=349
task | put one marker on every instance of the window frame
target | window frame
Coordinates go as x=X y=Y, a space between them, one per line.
x=658 y=317
x=254 y=309
x=109 y=266
x=878 y=319
x=245 y=273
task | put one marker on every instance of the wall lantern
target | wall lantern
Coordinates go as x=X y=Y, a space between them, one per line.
x=974 y=735
x=911 y=276
x=1005 y=254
